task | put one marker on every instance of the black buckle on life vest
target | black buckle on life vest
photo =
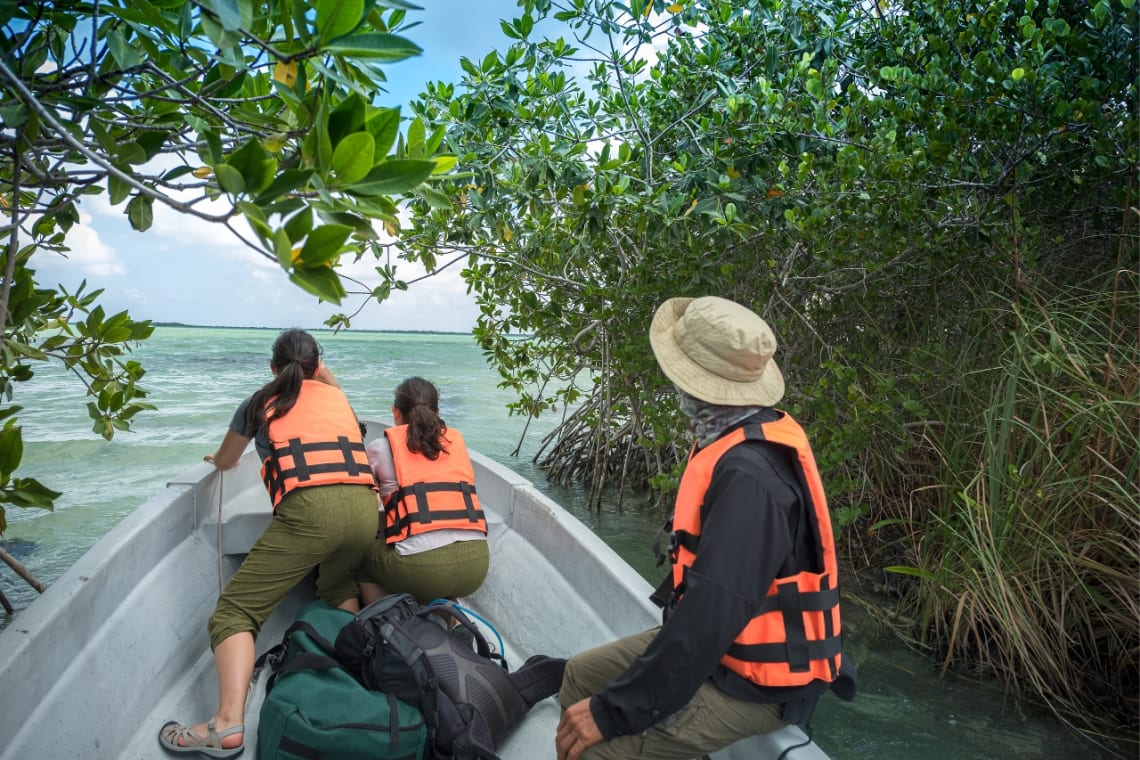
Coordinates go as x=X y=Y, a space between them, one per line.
x=680 y=539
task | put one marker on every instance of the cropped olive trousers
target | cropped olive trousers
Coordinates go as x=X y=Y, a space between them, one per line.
x=446 y=572
x=711 y=721
x=327 y=527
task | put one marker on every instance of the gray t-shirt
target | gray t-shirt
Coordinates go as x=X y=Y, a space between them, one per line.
x=260 y=440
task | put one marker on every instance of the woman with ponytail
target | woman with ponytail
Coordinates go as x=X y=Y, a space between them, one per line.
x=324 y=516
x=433 y=542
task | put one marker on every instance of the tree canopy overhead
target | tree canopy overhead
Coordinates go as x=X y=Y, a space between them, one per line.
x=862 y=175
x=266 y=117
x=934 y=206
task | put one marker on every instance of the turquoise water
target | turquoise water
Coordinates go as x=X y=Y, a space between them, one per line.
x=197 y=376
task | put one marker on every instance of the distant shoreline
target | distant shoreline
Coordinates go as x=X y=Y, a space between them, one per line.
x=311 y=329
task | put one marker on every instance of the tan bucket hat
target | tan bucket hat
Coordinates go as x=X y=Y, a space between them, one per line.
x=718 y=351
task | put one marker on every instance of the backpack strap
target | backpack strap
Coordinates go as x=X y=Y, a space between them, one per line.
x=413 y=656
x=452 y=610
x=275 y=657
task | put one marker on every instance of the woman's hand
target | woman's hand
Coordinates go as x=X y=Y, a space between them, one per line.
x=229 y=453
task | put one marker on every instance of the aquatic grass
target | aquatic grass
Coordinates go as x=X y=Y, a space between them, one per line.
x=1024 y=542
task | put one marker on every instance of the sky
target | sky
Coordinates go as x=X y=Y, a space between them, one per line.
x=193 y=272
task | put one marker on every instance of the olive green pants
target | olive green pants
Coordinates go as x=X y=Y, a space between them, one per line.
x=449 y=572
x=712 y=719
x=327 y=527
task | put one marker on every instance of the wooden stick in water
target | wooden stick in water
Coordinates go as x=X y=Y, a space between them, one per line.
x=21 y=571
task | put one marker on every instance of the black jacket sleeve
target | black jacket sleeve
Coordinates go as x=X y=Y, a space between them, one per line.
x=744 y=541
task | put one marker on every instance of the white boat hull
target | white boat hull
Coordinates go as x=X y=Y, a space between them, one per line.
x=117 y=646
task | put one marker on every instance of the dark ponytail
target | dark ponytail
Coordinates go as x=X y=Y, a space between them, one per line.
x=418 y=403
x=296 y=357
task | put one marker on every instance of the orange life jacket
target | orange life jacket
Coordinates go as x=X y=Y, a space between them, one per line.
x=317 y=443
x=433 y=494
x=795 y=637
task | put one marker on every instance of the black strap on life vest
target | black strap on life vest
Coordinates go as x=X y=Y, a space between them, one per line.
x=303 y=470
x=424 y=514
x=677 y=538
x=796 y=649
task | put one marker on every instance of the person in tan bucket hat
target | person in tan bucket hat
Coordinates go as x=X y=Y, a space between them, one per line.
x=718 y=351
x=751 y=635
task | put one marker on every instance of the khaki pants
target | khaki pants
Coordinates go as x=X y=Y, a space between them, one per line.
x=330 y=527
x=712 y=719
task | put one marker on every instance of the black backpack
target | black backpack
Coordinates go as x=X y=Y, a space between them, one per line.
x=470 y=702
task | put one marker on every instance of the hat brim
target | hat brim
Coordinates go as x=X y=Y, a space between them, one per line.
x=766 y=390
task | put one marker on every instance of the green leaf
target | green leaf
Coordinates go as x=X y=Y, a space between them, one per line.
x=444 y=164
x=11 y=449
x=352 y=159
x=285 y=182
x=229 y=179
x=257 y=220
x=912 y=571
x=130 y=153
x=256 y=164
x=321 y=282
x=222 y=38
x=28 y=492
x=14 y=116
x=140 y=211
x=24 y=349
x=384 y=126
x=299 y=226
x=213 y=153
x=151 y=143
x=417 y=133
x=186 y=20
x=125 y=54
x=283 y=249
x=347 y=117
x=338 y=17
x=300 y=8
x=387 y=47
x=392 y=177
x=361 y=226
x=324 y=148
x=509 y=30
x=232 y=14
x=434 y=197
x=117 y=189
x=323 y=244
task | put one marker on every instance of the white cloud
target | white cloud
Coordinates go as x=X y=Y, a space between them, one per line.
x=188 y=270
x=88 y=251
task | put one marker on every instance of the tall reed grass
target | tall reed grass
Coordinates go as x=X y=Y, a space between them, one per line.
x=1025 y=539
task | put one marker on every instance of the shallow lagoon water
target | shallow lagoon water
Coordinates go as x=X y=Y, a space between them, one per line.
x=196 y=376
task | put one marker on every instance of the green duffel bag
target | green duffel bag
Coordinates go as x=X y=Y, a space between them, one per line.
x=314 y=708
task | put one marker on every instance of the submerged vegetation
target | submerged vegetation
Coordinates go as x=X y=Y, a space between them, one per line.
x=935 y=207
